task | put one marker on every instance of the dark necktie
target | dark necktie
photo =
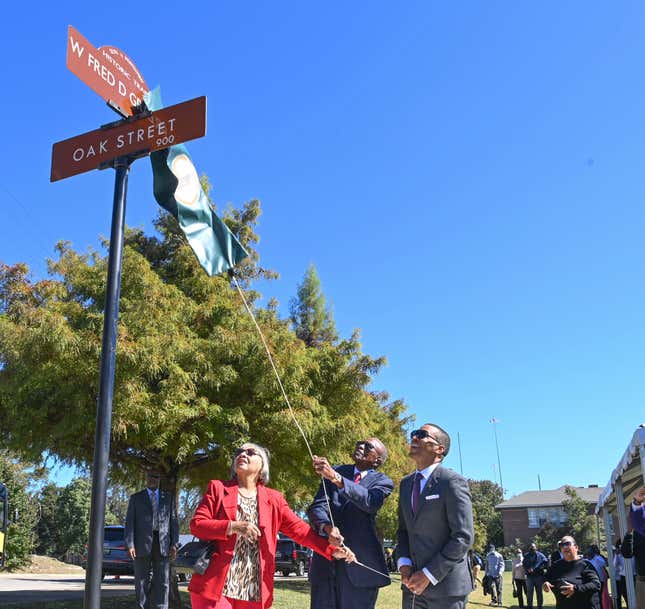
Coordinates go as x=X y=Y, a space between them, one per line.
x=416 y=492
x=357 y=477
x=155 y=511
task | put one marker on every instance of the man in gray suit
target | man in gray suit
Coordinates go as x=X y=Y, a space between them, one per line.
x=152 y=535
x=435 y=527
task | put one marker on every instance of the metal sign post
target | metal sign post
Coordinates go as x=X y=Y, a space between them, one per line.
x=106 y=389
x=110 y=73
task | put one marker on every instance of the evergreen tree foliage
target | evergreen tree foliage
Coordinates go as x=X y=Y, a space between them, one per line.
x=192 y=378
x=312 y=320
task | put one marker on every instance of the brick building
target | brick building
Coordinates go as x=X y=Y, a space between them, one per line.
x=524 y=514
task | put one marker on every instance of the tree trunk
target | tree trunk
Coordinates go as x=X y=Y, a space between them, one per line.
x=174 y=598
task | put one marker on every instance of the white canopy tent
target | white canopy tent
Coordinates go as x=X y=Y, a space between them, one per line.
x=615 y=500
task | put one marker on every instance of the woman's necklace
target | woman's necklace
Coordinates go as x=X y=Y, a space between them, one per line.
x=248 y=494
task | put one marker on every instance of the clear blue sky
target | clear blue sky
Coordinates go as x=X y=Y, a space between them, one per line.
x=468 y=179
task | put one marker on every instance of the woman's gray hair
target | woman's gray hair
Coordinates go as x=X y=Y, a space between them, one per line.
x=264 y=455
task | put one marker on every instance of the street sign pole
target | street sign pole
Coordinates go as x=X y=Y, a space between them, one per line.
x=112 y=74
x=106 y=388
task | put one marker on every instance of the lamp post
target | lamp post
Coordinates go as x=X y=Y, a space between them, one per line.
x=494 y=421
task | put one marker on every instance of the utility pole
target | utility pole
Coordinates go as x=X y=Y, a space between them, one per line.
x=494 y=421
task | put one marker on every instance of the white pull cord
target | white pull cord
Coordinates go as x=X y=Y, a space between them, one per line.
x=284 y=393
x=293 y=415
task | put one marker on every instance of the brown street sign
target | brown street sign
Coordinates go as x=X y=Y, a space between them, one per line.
x=107 y=71
x=161 y=129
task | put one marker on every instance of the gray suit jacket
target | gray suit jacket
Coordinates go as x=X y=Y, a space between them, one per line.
x=439 y=535
x=138 y=523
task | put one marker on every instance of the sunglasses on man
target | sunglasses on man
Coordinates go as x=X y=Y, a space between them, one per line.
x=422 y=434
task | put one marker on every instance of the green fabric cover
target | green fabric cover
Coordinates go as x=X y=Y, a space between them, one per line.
x=178 y=190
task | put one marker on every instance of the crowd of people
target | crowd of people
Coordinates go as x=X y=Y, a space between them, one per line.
x=577 y=580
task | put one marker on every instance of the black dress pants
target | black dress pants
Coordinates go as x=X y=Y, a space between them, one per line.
x=152 y=578
x=520 y=586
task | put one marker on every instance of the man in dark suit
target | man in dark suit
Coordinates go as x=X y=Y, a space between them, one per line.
x=152 y=535
x=435 y=527
x=356 y=493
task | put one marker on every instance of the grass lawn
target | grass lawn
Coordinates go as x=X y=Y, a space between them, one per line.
x=295 y=595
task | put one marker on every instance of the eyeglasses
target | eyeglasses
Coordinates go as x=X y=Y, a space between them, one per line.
x=251 y=452
x=566 y=544
x=421 y=434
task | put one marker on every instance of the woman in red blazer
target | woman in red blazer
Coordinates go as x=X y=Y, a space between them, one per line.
x=244 y=517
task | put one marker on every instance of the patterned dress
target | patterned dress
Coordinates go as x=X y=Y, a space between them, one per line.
x=243 y=580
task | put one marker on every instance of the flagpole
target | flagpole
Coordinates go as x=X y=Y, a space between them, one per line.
x=461 y=465
x=494 y=421
x=92 y=598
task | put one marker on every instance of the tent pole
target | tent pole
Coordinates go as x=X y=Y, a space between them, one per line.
x=622 y=526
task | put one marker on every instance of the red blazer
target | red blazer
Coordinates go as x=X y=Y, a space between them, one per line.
x=218 y=507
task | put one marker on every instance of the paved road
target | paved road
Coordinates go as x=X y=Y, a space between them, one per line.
x=29 y=587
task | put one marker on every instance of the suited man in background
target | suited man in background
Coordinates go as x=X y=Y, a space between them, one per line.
x=356 y=493
x=435 y=527
x=152 y=535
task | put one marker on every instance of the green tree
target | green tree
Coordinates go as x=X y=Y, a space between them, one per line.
x=192 y=379
x=73 y=515
x=23 y=511
x=118 y=496
x=486 y=494
x=63 y=525
x=188 y=501
x=311 y=318
x=47 y=532
x=580 y=523
x=548 y=535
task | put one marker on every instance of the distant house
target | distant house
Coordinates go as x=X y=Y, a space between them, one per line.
x=524 y=514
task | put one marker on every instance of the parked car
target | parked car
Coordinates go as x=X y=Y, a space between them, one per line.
x=116 y=560
x=184 y=576
x=291 y=557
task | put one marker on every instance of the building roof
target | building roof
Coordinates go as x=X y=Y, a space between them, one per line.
x=629 y=470
x=549 y=498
